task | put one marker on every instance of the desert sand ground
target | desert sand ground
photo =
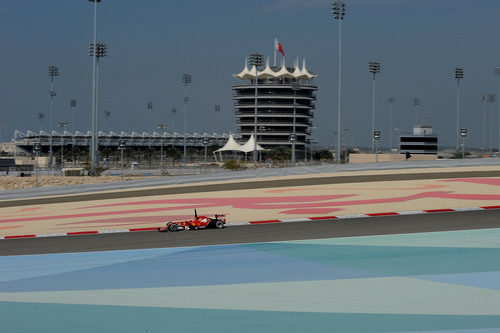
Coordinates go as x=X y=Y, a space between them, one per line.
x=16 y=183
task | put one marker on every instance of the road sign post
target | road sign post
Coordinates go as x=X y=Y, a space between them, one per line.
x=376 y=138
x=463 y=134
x=36 y=149
x=205 y=143
x=121 y=146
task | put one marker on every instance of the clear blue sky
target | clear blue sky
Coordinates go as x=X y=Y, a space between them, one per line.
x=418 y=42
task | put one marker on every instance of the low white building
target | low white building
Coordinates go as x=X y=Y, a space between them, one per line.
x=423 y=141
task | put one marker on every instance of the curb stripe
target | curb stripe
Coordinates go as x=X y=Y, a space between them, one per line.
x=19 y=236
x=82 y=233
x=438 y=210
x=302 y=219
x=323 y=218
x=383 y=214
x=490 y=207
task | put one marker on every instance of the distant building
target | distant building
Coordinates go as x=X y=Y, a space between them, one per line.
x=277 y=87
x=25 y=141
x=422 y=141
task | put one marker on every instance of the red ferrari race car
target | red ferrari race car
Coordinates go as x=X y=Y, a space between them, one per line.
x=198 y=222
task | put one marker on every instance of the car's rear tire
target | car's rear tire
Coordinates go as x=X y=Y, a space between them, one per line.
x=173 y=227
x=219 y=225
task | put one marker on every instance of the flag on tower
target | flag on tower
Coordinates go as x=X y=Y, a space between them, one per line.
x=278 y=47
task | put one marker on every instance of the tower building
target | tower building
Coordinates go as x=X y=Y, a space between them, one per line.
x=283 y=93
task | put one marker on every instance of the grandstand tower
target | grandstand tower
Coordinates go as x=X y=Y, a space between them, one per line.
x=276 y=87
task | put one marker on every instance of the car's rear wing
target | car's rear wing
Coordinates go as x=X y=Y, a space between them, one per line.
x=221 y=217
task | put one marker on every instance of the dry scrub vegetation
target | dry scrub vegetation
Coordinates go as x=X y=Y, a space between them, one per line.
x=16 y=183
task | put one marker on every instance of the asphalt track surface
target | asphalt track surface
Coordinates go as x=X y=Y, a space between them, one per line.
x=256 y=233
x=228 y=186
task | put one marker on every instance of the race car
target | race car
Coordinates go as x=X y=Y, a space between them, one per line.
x=198 y=222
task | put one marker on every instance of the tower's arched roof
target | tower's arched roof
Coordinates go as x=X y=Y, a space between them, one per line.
x=283 y=72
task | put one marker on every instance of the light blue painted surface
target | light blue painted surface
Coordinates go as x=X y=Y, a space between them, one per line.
x=252 y=265
x=49 y=318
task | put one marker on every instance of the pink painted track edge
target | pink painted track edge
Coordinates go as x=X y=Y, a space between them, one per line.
x=303 y=219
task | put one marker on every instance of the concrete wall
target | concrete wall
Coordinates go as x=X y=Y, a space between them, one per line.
x=370 y=158
x=43 y=161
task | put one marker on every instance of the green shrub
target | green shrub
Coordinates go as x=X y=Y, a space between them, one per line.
x=234 y=165
x=323 y=154
x=280 y=153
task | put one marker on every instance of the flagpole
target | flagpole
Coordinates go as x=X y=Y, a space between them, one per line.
x=275 y=43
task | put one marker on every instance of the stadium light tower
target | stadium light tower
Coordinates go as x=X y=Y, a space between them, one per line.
x=416 y=103
x=217 y=116
x=162 y=128
x=72 y=105
x=150 y=109
x=256 y=60
x=338 y=13
x=459 y=74
x=94 y=139
x=41 y=116
x=496 y=70
x=391 y=101
x=374 y=68
x=53 y=72
x=96 y=51
x=186 y=79
x=491 y=99
x=62 y=125
x=483 y=127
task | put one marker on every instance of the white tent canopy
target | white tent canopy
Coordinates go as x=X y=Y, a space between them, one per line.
x=230 y=145
x=249 y=145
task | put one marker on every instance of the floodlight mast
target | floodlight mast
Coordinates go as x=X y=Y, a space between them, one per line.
x=374 y=68
x=149 y=105
x=41 y=116
x=496 y=70
x=72 y=104
x=162 y=127
x=416 y=103
x=338 y=13
x=483 y=127
x=491 y=99
x=217 y=117
x=94 y=139
x=186 y=79
x=62 y=125
x=97 y=51
x=256 y=60
x=53 y=71
x=391 y=101
x=459 y=74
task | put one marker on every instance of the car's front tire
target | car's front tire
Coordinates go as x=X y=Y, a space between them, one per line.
x=173 y=227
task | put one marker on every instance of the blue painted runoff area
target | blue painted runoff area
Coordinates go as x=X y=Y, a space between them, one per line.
x=390 y=283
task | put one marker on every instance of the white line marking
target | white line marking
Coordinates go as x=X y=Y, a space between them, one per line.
x=51 y=235
x=113 y=231
x=354 y=216
x=302 y=219
x=467 y=209
x=412 y=212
